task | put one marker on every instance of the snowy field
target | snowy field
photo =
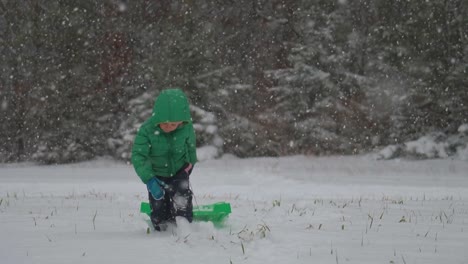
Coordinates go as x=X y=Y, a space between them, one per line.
x=285 y=210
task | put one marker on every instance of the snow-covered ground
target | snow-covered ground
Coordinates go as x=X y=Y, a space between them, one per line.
x=285 y=210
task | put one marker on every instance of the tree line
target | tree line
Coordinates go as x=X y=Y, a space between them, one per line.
x=265 y=78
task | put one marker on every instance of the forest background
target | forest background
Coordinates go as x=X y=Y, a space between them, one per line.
x=264 y=77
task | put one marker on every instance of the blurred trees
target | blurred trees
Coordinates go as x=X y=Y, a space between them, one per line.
x=279 y=77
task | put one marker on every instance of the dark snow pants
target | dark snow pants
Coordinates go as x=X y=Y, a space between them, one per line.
x=177 y=201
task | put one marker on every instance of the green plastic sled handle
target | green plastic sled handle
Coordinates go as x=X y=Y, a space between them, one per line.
x=215 y=213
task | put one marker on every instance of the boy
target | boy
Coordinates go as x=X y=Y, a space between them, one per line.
x=163 y=156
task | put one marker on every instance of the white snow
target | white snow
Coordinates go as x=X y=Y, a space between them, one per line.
x=462 y=152
x=430 y=146
x=387 y=152
x=427 y=146
x=285 y=210
x=207 y=153
x=463 y=128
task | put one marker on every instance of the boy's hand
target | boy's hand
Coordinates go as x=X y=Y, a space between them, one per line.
x=188 y=168
x=185 y=170
x=154 y=187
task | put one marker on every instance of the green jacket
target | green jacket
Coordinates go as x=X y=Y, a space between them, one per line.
x=156 y=153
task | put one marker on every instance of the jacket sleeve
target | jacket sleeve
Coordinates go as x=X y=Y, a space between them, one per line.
x=192 y=145
x=140 y=156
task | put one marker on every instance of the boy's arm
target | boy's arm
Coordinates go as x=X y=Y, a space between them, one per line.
x=192 y=148
x=140 y=156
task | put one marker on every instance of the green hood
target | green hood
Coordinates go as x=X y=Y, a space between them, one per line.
x=171 y=106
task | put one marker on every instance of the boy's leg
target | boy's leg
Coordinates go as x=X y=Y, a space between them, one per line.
x=160 y=211
x=182 y=199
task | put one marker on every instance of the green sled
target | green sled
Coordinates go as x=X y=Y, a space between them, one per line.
x=215 y=213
